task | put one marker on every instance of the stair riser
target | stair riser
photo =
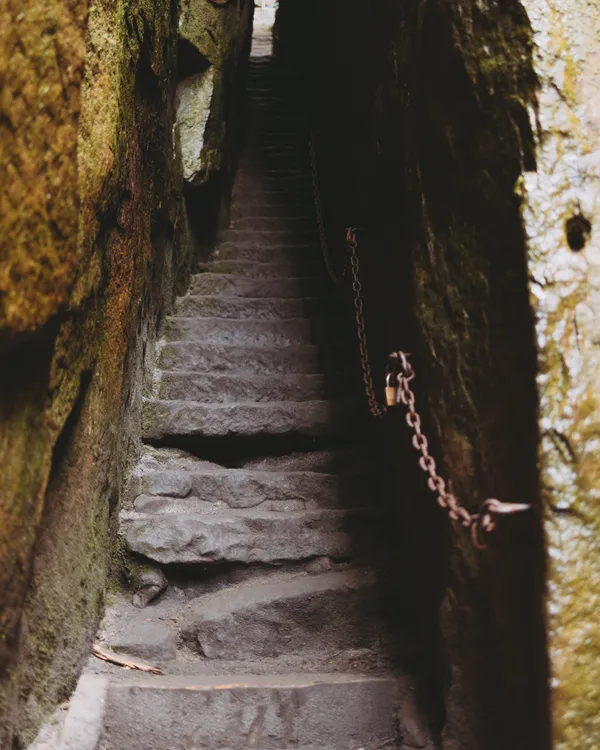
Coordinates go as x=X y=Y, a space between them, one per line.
x=304 y=716
x=238 y=489
x=250 y=538
x=212 y=284
x=253 y=223
x=295 y=256
x=201 y=358
x=161 y=419
x=223 y=389
x=257 y=270
x=273 y=333
x=265 y=239
x=242 y=308
x=327 y=612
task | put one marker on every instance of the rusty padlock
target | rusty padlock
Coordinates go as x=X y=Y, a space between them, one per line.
x=391 y=391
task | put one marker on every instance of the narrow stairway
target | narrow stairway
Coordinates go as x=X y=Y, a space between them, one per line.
x=252 y=499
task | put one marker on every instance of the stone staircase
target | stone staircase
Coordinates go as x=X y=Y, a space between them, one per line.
x=254 y=502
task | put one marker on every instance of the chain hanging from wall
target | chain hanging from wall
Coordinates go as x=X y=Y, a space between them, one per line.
x=398 y=376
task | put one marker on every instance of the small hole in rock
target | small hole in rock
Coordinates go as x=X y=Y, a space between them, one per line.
x=578 y=230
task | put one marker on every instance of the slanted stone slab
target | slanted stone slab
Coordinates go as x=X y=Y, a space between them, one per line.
x=243 y=536
x=297 y=613
x=305 y=712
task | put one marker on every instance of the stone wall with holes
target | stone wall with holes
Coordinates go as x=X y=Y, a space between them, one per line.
x=93 y=247
x=462 y=139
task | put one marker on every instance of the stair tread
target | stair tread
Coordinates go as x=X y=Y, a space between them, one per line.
x=239 y=535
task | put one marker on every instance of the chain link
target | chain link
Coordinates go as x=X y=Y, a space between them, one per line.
x=482 y=522
x=374 y=407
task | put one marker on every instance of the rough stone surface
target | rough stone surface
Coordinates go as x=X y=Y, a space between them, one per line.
x=239 y=488
x=231 y=388
x=194 y=99
x=268 y=308
x=256 y=360
x=245 y=536
x=255 y=269
x=311 y=418
x=309 y=712
x=297 y=331
x=329 y=611
x=238 y=286
x=561 y=212
x=151 y=641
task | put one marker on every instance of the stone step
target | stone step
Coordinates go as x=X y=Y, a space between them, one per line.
x=270 y=238
x=240 y=287
x=286 y=267
x=251 y=221
x=253 y=205
x=300 y=711
x=178 y=490
x=241 y=536
x=271 y=254
x=230 y=389
x=248 y=308
x=223 y=331
x=295 y=614
x=245 y=359
x=162 y=418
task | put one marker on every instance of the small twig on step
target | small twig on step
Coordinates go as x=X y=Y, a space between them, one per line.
x=123 y=661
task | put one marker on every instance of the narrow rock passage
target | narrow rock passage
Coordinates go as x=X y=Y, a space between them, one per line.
x=251 y=498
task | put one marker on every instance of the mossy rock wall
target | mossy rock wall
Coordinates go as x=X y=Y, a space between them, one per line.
x=93 y=246
x=461 y=139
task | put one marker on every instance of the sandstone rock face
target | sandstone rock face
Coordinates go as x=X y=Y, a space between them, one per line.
x=91 y=247
x=561 y=212
x=194 y=100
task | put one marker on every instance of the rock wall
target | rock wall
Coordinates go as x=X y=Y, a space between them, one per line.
x=561 y=210
x=460 y=138
x=94 y=243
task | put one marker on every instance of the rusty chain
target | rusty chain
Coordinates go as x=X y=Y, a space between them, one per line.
x=399 y=375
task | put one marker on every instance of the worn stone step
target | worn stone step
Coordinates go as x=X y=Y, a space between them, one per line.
x=162 y=418
x=307 y=253
x=300 y=711
x=241 y=288
x=291 y=224
x=270 y=238
x=222 y=331
x=247 y=359
x=231 y=389
x=180 y=490
x=248 y=308
x=294 y=614
x=252 y=205
x=285 y=267
x=245 y=536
